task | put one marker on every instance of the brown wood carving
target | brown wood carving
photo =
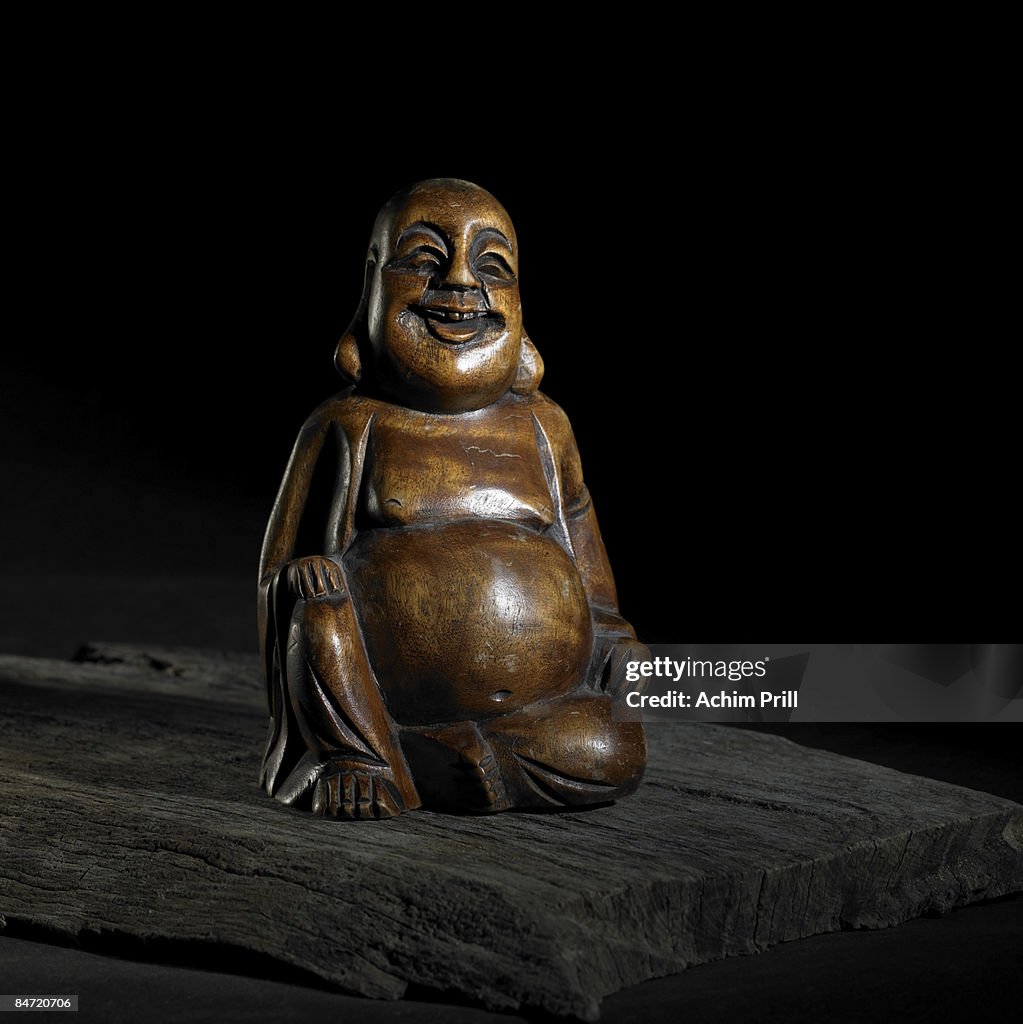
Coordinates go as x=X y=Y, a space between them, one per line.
x=436 y=610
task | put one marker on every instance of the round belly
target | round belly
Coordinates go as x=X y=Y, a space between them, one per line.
x=468 y=620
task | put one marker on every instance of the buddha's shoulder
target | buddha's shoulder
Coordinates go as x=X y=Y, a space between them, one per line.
x=347 y=411
x=550 y=416
x=534 y=405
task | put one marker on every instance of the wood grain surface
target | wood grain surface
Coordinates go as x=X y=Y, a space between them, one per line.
x=129 y=806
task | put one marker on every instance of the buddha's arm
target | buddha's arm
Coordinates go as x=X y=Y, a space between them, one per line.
x=591 y=559
x=587 y=544
x=615 y=639
x=282 y=533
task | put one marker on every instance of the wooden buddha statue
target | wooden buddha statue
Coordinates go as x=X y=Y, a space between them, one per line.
x=436 y=610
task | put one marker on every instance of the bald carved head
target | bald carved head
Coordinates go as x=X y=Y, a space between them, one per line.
x=441 y=311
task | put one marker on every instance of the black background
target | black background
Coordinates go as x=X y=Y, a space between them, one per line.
x=754 y=323
x=770 y=309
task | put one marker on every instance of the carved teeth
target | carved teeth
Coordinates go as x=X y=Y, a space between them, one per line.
x=451 y=314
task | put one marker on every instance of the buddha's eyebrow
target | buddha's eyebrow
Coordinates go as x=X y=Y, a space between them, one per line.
x=420 y=227
x=492 y=235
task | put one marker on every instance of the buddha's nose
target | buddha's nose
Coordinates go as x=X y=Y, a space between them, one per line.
x=459 y=275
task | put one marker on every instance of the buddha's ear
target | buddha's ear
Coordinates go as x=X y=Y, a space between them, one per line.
x=530 y=371
x=347 y=360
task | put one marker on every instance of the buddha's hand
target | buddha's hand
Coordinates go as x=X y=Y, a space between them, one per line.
x=623 y=653
x=315 y=576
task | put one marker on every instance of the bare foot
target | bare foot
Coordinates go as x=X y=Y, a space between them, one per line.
x=356 y=794
x=455 y=768
x=479 y=763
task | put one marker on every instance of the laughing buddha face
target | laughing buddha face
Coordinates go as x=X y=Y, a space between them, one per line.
x=443 y=312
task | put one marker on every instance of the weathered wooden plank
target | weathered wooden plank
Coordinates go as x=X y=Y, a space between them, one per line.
x=129 y=805
x=109 y=669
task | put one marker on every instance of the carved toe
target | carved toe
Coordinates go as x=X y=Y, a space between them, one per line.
x=354 y=795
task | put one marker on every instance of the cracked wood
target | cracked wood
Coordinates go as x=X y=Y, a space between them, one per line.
x=130 y=808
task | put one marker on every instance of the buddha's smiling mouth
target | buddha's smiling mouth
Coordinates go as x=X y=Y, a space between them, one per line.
x=456 y=326
x=446 y=315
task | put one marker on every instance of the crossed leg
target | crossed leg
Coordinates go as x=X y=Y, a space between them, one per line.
x=570 y=751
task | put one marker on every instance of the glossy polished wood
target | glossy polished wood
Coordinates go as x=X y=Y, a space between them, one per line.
x=437 y=613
